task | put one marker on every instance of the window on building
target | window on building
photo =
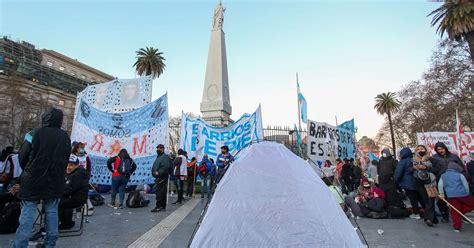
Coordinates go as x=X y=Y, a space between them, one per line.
x=49 y=63
x=83 y=76
x=61 y=68
x=61 y=102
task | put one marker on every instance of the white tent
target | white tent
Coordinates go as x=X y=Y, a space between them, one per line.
x=270 y=197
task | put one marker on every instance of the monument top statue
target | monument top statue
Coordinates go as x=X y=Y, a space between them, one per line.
x=218 y=16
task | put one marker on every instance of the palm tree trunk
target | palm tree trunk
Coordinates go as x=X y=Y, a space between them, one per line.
x=470 y=42
x=391 y=133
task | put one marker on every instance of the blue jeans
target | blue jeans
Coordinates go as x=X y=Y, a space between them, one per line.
x=206 y=186
x=118 y=186
x=27 y=219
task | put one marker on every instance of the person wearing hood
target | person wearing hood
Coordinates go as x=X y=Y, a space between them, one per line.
x=43 y=157
x=440 y=162
x=122 y=167
x=454 y=187
x=76 y=191
x=425 y=181
x=415 y=193
x=346 y=177
x=160 y=171
x=386 y=170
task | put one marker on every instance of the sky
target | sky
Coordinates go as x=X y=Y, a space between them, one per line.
x=345 y=52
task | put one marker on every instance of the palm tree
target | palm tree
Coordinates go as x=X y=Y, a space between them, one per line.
x=150 y=61
x=456 y=17
x=387 y=103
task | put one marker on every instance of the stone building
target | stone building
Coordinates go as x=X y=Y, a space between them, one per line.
x=31 y=80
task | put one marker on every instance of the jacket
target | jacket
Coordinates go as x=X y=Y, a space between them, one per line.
x=113 y=166
x=43 y=157
x=404 y=170
x=221 y=158
x=346 y=172
x=180 y=166
x=356 y=174
x=453 y=184
x=440 y=163
x=77 y=185
x=211 y=168
x=161 y=165
x=386 y=170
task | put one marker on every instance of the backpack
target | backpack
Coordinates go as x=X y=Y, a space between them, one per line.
x=125 y=167
x=202 y=169
x=9 y=217
x=96 y=199
x=134 y=200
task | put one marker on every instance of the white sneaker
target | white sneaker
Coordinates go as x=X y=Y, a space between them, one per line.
x=456 y=230
x=415 y=216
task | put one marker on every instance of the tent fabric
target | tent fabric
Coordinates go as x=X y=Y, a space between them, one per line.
x=270 y=197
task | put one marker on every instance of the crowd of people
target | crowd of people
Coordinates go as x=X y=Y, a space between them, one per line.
x=438 y=185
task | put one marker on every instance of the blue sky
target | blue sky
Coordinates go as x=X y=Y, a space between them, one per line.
x=346 y=52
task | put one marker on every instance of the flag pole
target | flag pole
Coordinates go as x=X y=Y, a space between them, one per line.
x=298 y=101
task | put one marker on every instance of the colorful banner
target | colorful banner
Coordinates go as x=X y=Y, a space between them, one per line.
x=429 y=139
x=118 y=95
x=138 y=131
x=328 y=142
x=199 y=137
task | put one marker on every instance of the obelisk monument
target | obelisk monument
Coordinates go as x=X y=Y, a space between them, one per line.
x=215 y=104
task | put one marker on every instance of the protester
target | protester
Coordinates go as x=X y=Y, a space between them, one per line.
x=346 y=177
x=369 y=201
x=6 y=174
x=43 y=157
x=386 y=171
x=191 y=177
x=206 y=171
x=372 y=169
x=159 y=171
x=223 y=161
x=453 y=186
x=79 y=152
x=440 y=161
x=357 y=174
x=328 y=170
x=470 y=172
x=122 y=167
x=425 y=182
x=339 y=165
x=181 y=173
x=75 y=192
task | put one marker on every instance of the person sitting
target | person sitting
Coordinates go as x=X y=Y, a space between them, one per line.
x=368 y=202
x=75 y=193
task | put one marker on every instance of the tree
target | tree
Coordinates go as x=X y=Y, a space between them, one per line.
x=456 y=17
x=387 y=103
x=150 y=61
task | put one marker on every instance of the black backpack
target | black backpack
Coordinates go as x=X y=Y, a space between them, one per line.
x=125 y=167
x=135 y=200
x=9 y=217
x=96 y=199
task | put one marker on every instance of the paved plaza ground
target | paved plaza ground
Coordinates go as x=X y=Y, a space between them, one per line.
x=122 y=228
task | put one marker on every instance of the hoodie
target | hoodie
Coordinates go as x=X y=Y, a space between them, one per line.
x=440 y=162
x=404 y=171
x=43 y=157
x=386 y=168
x=453 y=183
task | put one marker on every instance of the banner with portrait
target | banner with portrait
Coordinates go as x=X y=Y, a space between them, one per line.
x=199 y=137
x=138 y=131
x=328 y=142
x=118 y=95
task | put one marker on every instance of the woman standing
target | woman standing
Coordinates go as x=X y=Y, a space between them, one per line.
x=80 y=154
x=328 y=170
x=425 y=183
x=122 y=167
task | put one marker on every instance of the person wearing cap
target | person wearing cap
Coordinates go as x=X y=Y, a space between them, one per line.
x=454 y=188
x=160 y=171
x=75 y=194
x=223 y=161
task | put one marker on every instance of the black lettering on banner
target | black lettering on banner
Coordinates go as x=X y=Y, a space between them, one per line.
x=312 y=146
x=321 y=150
x=312 y=130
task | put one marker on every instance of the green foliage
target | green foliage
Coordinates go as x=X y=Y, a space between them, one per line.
x=150 y=61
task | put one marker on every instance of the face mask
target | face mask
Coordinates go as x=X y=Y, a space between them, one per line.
x=422 y=153
x=81 y=151
x=384 y=155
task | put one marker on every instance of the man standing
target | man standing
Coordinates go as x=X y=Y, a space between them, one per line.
x=223 y=161
x=346 y=176
x=440 y=163
x=43 y=157
x=160 y=171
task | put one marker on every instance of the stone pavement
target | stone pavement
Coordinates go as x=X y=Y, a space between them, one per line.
x=121 y=228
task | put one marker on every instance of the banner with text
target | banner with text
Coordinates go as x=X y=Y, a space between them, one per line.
x=138 y=131
x=199 y=137
x=429 y=139
x=328 y=142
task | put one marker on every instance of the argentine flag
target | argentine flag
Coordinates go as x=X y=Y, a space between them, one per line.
x=303 y=107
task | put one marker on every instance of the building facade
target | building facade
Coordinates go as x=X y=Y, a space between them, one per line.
x=29 y=85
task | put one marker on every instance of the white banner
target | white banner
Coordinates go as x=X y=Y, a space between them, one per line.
x=118 y=95
x=138 y=131
x=199 y=137
x=429 y=139
x=328 y=142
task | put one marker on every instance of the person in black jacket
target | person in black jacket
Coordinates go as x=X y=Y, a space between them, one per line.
x=386 y=170
x=440 y=163
x=43 y=157
x=120 y=175
x=75 y=193
x=346 y=177
x=159 y=171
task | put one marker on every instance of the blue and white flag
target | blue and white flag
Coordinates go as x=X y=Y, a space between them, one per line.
x=303 y=107
x=105 y=134
x=372 y=157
